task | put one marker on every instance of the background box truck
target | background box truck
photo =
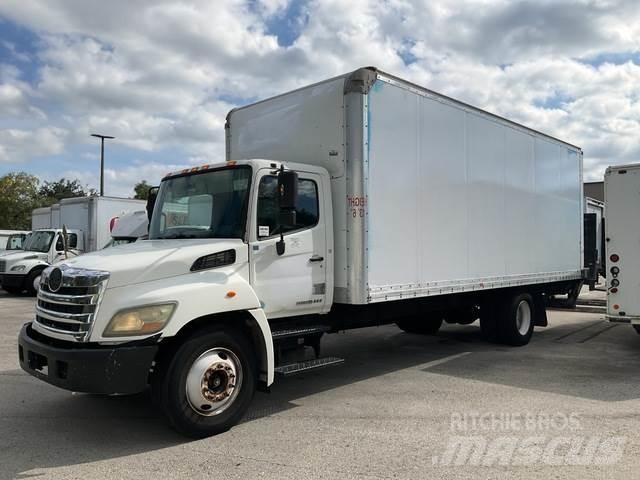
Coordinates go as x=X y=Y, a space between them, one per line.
x=622 y=240
x=361 y=200
x=88 y=221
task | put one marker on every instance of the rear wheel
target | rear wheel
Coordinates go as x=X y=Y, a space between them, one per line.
x=209 y=383
x=516 y=320
x=421 y=325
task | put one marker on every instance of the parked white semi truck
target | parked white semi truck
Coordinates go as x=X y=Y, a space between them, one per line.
x=88 y=221
x=361 y=200
x=622 y=243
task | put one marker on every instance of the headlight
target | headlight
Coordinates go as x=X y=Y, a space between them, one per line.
x=139 y=320
x=18 y=268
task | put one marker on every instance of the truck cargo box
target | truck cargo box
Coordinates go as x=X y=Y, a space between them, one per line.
x=431 y=195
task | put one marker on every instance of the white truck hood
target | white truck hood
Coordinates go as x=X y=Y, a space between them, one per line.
x=13 y=256
x=149 y=260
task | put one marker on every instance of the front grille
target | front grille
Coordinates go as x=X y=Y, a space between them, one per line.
x=69 y=312
x=3 y=265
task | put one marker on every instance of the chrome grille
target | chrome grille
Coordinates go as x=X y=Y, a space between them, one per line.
x=68 y=313
x=3 y=265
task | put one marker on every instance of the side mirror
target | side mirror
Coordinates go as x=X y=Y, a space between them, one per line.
x=151 y=201
x=287 y=189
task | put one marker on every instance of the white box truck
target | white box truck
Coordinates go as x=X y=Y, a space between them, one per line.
x=361 y=200
x=88 y=221
x=622 y=243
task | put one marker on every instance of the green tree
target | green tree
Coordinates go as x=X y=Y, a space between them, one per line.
x=57 y=190
x=141 y=190
x=18 y=197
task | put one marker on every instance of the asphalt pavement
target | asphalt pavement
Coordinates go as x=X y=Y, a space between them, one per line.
x=401 y=406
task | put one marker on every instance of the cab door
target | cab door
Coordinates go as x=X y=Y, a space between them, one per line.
x=293 y=283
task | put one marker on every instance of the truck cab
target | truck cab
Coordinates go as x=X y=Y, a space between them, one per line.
x=22 y=269
x=243 y=244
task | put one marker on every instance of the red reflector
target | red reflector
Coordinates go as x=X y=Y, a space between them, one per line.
x=616 y=306
x=614 y=258
x=614 y=290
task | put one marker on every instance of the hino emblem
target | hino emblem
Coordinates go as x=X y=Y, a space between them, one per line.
x=55 y=279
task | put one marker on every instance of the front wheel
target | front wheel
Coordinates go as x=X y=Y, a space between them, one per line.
x=209 y=383
x=13 y=290
x=32 y=283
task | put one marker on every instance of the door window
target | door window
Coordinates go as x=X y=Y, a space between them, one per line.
x=268 y=212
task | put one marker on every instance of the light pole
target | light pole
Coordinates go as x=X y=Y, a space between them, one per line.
x=101 y=137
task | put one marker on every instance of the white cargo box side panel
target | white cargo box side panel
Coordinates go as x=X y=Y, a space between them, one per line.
x=41 y=218
x=622 y=225
x=108 y=208
x=459 y=201
x=303 y=126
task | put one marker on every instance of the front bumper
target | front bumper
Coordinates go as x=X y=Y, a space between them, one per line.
x=92 y=369
x=12 y=279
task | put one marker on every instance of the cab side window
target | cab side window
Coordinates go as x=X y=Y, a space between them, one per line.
x=268 y=213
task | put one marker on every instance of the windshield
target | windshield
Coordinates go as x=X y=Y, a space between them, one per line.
x=15 y=241
x=211 y=204
x=39 y=241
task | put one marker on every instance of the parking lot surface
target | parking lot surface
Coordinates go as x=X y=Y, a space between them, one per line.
x=402 y=406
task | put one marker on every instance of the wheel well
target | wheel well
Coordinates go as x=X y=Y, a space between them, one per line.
x=241 y=321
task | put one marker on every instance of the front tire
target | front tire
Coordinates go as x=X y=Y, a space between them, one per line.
x=13 y=290
x=421 y=326
x=209 y=383
x=32 y=283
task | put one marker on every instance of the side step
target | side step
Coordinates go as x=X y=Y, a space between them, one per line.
x=306 y=366
x=297 y=332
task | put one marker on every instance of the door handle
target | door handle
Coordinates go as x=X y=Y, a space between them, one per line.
x=316 y=258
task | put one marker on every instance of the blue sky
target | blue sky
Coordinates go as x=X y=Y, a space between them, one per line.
x=162 y=76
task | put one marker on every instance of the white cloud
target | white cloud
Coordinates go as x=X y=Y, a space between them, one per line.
x=162 y=75
x=18 y=145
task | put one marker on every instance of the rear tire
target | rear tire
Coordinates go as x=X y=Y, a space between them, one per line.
x=421 y=326
x=515 y=321
x=636 y=328
x=208 y=384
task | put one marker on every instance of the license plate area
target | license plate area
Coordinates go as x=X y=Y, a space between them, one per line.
x=38 y=362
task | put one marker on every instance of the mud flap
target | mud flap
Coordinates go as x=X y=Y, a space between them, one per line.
x=540 y=310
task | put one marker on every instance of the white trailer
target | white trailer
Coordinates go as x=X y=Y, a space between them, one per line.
x=41 y=218
x=96 y=216
x=622 y=238
x=358 y=201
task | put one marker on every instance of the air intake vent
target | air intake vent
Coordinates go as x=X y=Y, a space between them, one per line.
x=220 y=259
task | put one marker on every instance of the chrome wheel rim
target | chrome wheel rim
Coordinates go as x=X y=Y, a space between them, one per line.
x=213 y=381
x=523 y=317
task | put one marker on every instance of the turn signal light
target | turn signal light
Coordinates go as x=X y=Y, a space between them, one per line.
x=614 y=257
x=615 y=270
x=615 y=282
